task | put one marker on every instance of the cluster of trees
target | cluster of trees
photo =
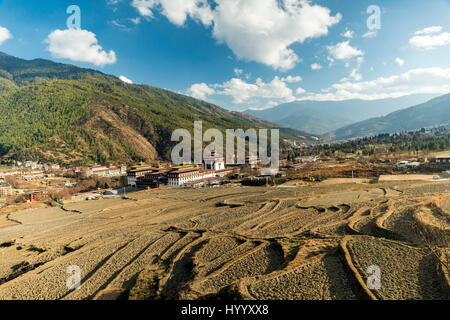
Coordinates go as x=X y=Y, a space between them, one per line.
x=410 y=142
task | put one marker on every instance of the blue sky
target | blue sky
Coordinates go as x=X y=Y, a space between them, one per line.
x=244 y=54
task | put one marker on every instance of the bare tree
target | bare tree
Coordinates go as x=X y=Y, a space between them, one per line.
x=12 y=180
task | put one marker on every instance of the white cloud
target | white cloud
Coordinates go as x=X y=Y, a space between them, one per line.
x=242 y=91
x=344 y=51
x=430 y=38
x=370 y=34
x=316 y=66
x=144 y=7
x=400 y=62
x=200 y=91
x=291 y=79
x=356 y=75
x=429 y=30
x=238 y=71
x=5 y=34
x=119 y=25
x=348 y=34
x=255 y=30
x=415 y=81
x=300 y=91
x=271 y=104
x=125 y=79
x=263 y=30
x=78 y=45
x=113 y=2
x=136 y=20
x=330 y=61
x=177 y=11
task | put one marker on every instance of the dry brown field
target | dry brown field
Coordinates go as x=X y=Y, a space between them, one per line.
x=314 y=241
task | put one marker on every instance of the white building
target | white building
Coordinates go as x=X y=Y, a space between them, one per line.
x=402 y=164
x=213 y=163
x=407 y=165
x=31 y=164
x=252 y=161
x=180 y=177
x=102 y=171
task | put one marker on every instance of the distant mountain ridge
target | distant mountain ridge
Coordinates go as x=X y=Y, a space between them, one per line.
x=320 y=117
x=56 y=112
x=435 y=112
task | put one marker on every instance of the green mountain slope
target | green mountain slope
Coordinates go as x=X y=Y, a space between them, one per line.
x=432 y=113
x=57 y=112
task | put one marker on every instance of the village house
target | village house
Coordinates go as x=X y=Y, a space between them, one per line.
x=91 y=195
x=441 y=161
x=445 y=158
x=136 y=172
x=34 y=196
x=31 y=164
x=103 y=171
x=5 y=190
x=407 y=165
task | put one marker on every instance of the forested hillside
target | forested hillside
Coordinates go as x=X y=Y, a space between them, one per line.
x=57 y=112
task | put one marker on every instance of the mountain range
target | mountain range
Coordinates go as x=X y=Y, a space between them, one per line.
x=58 y=112
x=321 y=117
x=435 y=112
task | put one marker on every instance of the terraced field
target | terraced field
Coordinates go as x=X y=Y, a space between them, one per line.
x=308 y=242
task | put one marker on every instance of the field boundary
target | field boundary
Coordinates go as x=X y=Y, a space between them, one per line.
x=357 y=276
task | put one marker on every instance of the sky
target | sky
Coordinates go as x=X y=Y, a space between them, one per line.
x=242 y=54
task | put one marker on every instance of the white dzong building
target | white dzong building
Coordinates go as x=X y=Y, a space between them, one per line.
x=213 y=162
